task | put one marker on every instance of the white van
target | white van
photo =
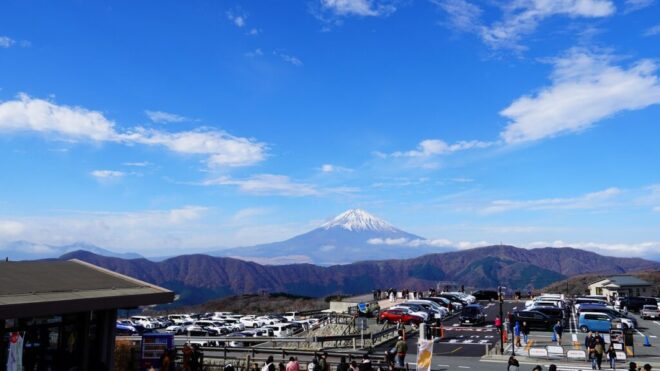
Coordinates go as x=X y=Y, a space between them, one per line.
x=281 y=330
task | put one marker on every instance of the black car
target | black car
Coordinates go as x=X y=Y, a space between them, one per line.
x=473 y=314
x=636 y=303
x=555 y=314
x=486 y=295
x=535 y=319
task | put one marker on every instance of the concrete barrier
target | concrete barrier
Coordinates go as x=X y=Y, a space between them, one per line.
x=538 y=353
x=576 y=355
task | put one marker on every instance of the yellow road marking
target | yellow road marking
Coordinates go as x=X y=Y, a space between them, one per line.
x=453 y=351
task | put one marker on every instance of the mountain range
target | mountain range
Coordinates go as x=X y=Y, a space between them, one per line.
x=25 y=250
x=199 y=278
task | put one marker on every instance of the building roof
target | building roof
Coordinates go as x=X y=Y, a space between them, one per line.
x=622 y=281
x=36 y=288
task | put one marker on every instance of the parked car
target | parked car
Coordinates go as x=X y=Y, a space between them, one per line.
x=281 y=330
x=123 y=329
x=415 y=309
x=649 y=311
x=438 y=311
x=252 y=321
x=473 y=314
x=454 y=299
x=636 y=303
x=535 y=319
x=628 y=321
x=402 y=315
x=555 y=314
x=600 y=322
x=489 y=295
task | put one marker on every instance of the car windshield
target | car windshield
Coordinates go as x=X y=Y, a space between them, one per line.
x=470 y=311
x=650 y=307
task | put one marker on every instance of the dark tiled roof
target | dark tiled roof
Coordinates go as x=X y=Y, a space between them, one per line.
x=32 y=288
x=628 y=281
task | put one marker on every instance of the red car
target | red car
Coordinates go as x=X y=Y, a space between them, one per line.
x=403 y=315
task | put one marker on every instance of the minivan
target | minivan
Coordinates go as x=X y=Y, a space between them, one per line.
x=281 y=330
x=600 y=322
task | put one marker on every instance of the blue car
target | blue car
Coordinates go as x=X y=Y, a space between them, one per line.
x=600 y=322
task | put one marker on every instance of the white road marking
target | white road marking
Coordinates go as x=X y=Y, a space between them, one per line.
x=463 y=366
x=657 y=323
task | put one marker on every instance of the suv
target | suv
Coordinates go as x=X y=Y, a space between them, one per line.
x=649 y=311
x=473 y=314
x=535 y=319
x=489 y=295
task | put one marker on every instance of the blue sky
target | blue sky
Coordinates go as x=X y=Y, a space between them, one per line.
x=169 y=127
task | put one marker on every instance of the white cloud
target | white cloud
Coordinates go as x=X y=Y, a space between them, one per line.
x=520 y=18
x=107 y=174
x=27 y=114
x=635 y=5
x=165 y=117
x=254 y=32
x=641 y=249
x=237 y=17
x=137 y=164
x=289 y=58
x=6 y=42
x=586 y=88
x=156 y=231
x=268 y=184
x=276 y=185
x=363 y=8
x=434 y=147
x=587 y=201
x=439 y=242
x=652 y=31
x=10 y=228
x=249 y=213
x=330 y=168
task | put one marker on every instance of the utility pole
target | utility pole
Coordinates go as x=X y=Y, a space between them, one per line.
x=499 y=289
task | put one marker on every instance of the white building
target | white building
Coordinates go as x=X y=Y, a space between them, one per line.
x=624 y=285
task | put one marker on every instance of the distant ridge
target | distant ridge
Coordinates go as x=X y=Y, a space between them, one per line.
x=26 y=250
x=199 y=278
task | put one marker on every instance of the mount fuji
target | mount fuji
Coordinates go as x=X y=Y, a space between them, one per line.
x=354 y=235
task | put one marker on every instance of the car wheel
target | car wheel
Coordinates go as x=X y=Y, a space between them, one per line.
x=584 y=328
x=255 y=325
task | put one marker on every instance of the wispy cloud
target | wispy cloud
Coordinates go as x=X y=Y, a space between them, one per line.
x=519 y=18
x=255 y=53
x=652 y=31
x=362 y=8
x=435 y=147
x=592 y=200
x=586 y=88
x=6 y=42
x=289 y=58
x=276 y=185
x=137 y=164
x=330 y=168
x=165 y=117
x=635 y=5
x=107 y=174
x=71 y=123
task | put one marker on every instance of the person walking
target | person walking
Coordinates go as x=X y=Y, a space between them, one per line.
x=323 y=362
x=516 y=333
x=525 y=331
x=293 y=364
x=513 y=364
x=559 y=330
x=611 y=356
x=600 y=350
x=354 y=366
x=401 y=350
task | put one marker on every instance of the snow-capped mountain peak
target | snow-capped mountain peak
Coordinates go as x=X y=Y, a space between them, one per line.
x=359 y=220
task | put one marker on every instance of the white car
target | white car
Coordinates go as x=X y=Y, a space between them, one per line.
x=180 y=318
x=178 y=329
x=437 y=309
x=252 y=321
x=212 y=326
x=145 y=322
x=269 y=320
x=290 y=316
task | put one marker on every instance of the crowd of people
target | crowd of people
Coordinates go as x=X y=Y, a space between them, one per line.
x=514 y=365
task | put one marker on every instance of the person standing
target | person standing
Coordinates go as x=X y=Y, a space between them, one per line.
x=525 y=331
x=401 y=350
x=516 y=333
x=342 y=366
x=559 y=330
x=293 y=364
x=269 y=365
x=611 y=355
